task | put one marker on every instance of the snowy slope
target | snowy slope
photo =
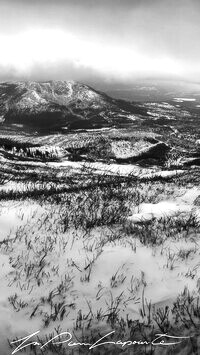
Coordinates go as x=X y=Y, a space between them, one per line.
x=61 y=103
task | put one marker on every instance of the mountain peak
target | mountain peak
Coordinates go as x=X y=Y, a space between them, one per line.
x=58 y=104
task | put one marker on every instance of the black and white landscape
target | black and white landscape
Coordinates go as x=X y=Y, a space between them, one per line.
x=99 y=179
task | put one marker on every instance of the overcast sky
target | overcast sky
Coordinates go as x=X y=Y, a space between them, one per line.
x=99 y=40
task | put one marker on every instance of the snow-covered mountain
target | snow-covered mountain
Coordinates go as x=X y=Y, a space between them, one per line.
x=62 y=104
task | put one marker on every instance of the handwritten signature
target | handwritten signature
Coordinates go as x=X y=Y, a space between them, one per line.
x=160 y=340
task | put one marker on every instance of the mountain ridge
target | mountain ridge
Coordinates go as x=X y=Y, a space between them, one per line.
x=62 y=103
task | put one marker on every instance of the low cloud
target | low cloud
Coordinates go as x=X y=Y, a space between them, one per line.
x=111 y=40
